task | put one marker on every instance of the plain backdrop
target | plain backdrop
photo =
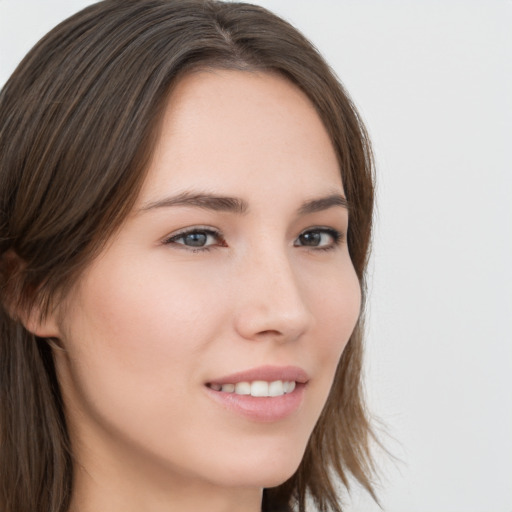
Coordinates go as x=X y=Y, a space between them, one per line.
x=433 y=81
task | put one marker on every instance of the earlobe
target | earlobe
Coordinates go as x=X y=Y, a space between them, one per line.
x=43 y=326
x=26 y=311
x=39 y=323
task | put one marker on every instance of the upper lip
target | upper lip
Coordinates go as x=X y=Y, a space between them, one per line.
x=266 y=373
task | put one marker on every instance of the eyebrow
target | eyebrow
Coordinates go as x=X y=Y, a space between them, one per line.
x=323 y=203
x=214 y=202
x=201 y=200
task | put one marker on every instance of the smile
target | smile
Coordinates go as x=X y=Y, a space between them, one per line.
x=264 y=394
x=259 y=388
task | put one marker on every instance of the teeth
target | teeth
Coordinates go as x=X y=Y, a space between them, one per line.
x=290 y=386
x=257 y=388
x=276 y=388
x=243 y=388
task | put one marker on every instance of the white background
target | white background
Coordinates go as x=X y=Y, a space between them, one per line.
x=433 y=80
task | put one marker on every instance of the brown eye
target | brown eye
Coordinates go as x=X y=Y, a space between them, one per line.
x=321 y=238
x=311 y=238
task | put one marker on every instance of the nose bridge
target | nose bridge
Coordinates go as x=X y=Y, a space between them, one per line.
x=271 y=302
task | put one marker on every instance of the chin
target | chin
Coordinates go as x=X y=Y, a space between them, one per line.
x=262 y=480
x=266 y=472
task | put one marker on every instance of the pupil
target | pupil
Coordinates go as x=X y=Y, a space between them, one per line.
x=312 y=238
x=195 y=239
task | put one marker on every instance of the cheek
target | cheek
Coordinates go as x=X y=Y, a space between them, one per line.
x=146 y=308
x=136 y=342
x=336 y=313
x=135 y=336
x=336 y=307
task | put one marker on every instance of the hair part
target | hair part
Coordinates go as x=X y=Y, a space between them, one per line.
x=78 y=122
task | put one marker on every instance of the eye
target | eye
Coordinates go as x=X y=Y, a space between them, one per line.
x=197 y=239
x=319 y=238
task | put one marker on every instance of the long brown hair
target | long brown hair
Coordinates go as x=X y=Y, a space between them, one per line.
x=78 y=120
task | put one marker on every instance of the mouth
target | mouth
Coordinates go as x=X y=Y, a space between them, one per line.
x=258 y=388
x=262 y=394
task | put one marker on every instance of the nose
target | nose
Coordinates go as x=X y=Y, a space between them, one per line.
x=271 y=303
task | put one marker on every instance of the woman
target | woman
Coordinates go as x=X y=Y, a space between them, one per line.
x=181 y=283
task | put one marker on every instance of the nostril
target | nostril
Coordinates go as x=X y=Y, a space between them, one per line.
x=270 y=333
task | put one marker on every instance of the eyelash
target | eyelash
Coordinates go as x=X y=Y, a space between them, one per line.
x=337 y=239
x=196 y=230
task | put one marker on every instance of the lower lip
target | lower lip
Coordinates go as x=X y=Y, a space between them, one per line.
x=262 y=409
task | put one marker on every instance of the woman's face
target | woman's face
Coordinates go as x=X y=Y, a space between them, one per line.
x=231 y=272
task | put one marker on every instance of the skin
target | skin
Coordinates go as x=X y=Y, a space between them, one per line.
x=152 y=320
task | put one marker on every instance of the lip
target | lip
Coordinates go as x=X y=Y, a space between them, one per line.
x=262 y=409
x=268 y=373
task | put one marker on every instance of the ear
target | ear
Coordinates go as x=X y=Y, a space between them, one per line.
x=16 y=303
x=42 y=326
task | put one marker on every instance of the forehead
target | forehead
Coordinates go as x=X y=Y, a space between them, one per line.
x=240 y=128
